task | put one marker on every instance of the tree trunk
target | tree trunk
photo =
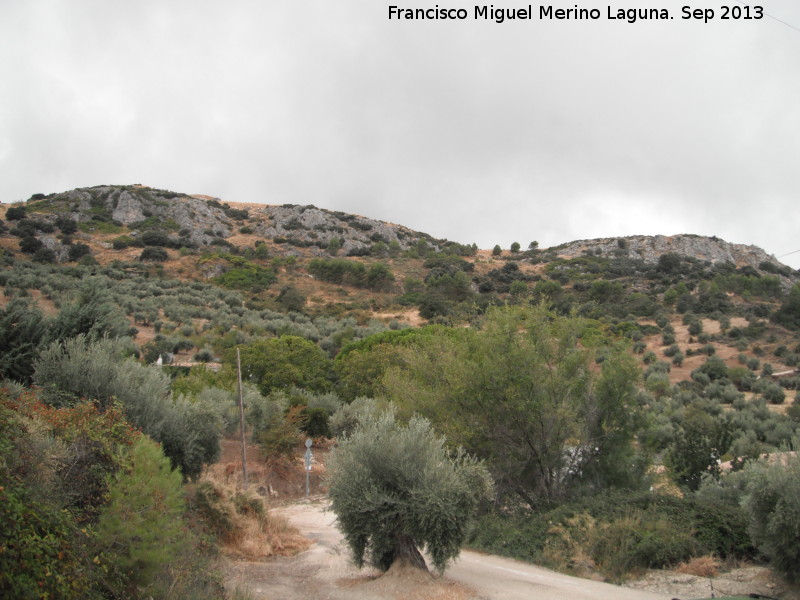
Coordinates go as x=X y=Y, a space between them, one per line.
x=406 y=551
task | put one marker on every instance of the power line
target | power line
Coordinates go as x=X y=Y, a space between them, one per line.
x=766 y=14
x=793 y=251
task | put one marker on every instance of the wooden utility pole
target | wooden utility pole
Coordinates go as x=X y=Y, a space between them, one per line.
x=241 y=419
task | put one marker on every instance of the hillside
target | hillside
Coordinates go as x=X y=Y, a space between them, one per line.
x=288 y=258
x=607 y=384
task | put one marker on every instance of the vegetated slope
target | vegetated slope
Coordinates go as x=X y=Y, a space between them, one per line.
x=303 y=260
x=712 y=324
x=196 y=220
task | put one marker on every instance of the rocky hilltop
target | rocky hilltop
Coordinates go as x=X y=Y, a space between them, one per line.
x=192 y=221
x=195 y=220
x=650 y=248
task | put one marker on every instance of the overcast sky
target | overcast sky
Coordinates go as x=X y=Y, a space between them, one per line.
x=548 y=130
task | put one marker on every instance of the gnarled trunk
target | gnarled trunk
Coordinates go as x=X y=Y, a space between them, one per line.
x=406 y=551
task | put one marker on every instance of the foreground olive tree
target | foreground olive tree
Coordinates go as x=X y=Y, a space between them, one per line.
x=772 y=502
x=397 y=489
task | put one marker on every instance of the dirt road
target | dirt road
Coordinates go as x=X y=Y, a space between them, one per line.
x=324 y=573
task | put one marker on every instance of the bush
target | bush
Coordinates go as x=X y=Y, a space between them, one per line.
x=154 y=253
x=22 y=329
x=44 y=256
x=41 y=550
x=638 y=541
x=77 y=251
x=204 y=355
x=141 y=526
x=282 y=434
x=67 y=225
x=349 y=416
x=79 y=368
x=773 y=504
x=772 y=392
x=620 y=531
x=16 y=213
x=30 y=244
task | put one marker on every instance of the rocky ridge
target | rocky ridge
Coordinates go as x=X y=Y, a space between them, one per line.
x=650 y=248
x=202 y=220
x=196 y=220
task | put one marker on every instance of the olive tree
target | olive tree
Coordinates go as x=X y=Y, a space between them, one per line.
x=772 y=502
x=397 y=489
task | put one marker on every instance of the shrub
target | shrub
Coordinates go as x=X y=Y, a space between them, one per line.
x=77 y=251
x=79 y=368
x=140 y=529
x=154 y=253
x=714 y=368
x=22 y=328
x=672 y=350
x=638 y=541
x=695 y=327
x=92 y=313
x=66 y=224
x=44 y=256
x=16 y=213
x=282 y=434
x=349 y=416
x=204 y=355
x=773 y=504
x=41 y=550
x=30 y=244
x=772 y=392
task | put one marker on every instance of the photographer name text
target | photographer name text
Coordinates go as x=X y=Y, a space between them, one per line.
x=548 y=12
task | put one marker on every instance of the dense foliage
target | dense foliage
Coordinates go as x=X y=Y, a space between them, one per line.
x=397 y=488
x=522 y=393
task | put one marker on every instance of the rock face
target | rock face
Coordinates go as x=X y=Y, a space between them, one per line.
x=650 y=248
x=203 y=220
x=318 y=226
x=198 y=220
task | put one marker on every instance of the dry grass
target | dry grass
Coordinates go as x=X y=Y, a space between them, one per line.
x=701 y=566
x=255 y=532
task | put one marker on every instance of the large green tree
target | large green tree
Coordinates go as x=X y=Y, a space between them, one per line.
x=788 y=314
x=283 y=362
x=397 y=489
x=525 y=393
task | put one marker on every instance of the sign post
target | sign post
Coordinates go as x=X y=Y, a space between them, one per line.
x=308 y=457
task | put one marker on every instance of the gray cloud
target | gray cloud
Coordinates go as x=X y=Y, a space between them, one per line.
x=473 y=131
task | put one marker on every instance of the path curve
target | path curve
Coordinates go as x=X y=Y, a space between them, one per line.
x=324 y=572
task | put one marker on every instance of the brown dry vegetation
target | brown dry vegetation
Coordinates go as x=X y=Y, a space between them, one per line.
x=254 y=536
